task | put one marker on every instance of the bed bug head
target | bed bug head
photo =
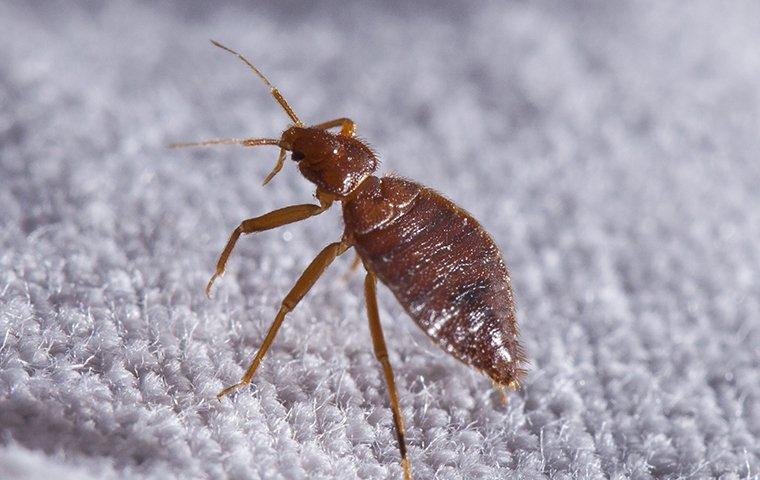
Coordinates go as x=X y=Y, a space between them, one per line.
x=335 y=163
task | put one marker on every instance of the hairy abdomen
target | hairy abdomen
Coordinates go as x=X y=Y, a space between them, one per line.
x=443 y=268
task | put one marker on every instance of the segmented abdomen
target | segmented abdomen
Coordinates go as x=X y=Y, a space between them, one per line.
x=444 y=269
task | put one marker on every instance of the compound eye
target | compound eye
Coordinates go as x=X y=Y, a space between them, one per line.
x=297 y=156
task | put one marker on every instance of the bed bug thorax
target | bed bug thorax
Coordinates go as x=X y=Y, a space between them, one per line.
x=440 y=264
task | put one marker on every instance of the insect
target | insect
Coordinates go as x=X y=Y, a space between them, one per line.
x=441 y=265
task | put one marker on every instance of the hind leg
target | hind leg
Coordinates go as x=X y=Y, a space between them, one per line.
x=381 y=352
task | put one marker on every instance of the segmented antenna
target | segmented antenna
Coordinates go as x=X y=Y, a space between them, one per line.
x=273 y=90
x=246 y=142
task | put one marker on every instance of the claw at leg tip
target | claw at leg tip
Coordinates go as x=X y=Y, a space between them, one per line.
x=210 y=284
x=227 y=390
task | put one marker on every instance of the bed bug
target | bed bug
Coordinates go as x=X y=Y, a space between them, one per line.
x=440 y=264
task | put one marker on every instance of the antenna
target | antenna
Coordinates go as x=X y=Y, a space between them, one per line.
x=273 y=90
x=246 y=142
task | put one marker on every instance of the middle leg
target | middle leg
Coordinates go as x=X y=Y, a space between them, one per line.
x=351 y=268
x=304 y=283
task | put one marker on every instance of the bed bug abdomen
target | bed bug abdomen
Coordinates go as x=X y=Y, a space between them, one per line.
x=443 y=268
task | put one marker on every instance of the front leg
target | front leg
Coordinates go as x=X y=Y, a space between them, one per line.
x=274 y=219
x=347 y=126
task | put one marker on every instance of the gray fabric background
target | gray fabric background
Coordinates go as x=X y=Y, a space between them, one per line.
x=611 y=149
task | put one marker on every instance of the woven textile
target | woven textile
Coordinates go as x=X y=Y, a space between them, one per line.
x=611 y=149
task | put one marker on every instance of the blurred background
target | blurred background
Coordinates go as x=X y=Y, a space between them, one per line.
x=611 y=150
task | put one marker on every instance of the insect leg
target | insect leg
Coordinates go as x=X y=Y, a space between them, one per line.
x=502 y=394
x=381 y=352
x=307 y=279
x=277 y=167
x=274 y=219
x=354 y=265
x=347 y=126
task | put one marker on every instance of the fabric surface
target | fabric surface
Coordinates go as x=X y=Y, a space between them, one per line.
x=611 y=150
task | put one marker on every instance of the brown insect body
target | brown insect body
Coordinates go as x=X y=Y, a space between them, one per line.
x=438 y=261
x=443 y=268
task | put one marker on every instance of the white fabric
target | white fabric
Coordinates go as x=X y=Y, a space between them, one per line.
x=611 y=149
